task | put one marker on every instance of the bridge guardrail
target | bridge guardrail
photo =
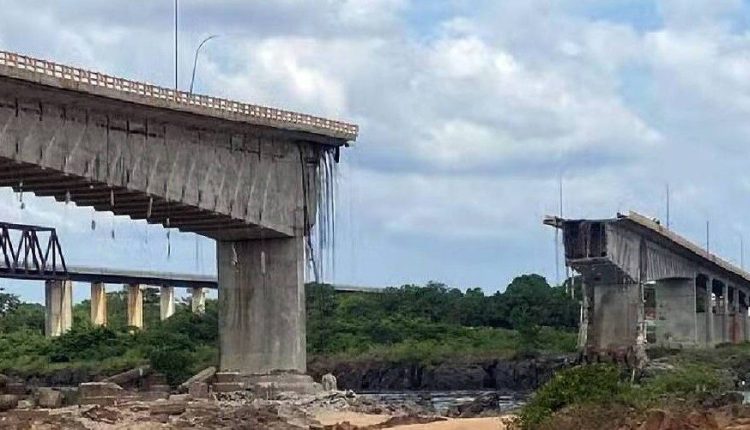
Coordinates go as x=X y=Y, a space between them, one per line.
x=96 y=79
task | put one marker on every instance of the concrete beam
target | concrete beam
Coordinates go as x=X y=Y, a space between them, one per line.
x=262 y=302
x=58 y=314
x=98 y=304
x=135 y=306
x=166 y=302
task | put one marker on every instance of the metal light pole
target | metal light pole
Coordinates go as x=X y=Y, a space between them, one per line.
x=175 y=47
x=195 y=60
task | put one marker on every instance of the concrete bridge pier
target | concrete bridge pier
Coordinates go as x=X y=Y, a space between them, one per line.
x=676 y=317
x=135 y=305
x=198 y=300
x=58 y=316
x=98 y=304
x=166 y=302
x=709 y=312
x=616 y=317
x=262 y=322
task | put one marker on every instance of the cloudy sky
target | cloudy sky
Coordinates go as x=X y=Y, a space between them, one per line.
x=471 y=112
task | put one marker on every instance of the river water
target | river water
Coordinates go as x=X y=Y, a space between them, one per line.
x=441 y=401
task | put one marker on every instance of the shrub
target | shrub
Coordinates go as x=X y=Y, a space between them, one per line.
x=597 y=383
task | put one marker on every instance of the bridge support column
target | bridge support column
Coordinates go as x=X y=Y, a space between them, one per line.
x=616 y=319
x=166 y=302
x=98 y=304
x=198 y=300
x=675 y=312
x=725 y=313
x=58 y=316
x=135 y=306
x=262 y=306
x=735 y=328
x=709 y=312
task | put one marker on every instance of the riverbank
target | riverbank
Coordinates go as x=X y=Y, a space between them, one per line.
x=505 y=375
x=686 y=389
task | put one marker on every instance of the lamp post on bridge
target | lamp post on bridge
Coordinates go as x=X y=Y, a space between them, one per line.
x=195 y=59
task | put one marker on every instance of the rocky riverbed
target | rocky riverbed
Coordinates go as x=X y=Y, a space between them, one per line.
x=239 y=410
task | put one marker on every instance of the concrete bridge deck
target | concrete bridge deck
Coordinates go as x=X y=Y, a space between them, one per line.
x=251 y=177
x=647 y=285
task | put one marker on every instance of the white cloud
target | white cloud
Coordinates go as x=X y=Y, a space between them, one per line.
x=468 y=116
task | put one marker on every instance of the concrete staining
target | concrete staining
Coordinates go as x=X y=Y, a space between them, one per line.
x=645 y=285
x=248 y=176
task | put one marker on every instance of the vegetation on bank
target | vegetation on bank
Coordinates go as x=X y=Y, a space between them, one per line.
x=408 y=324
x=678 y=379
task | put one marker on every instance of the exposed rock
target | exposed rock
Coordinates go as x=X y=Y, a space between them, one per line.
x=99 y=389
x=48 y=398
x=26 y=404
x=223 y=377
x=102 y=414
x=16 y=388
x=227 y=387
x=168 y=408
x=203 y=376
x=3 y=382
x=329 y=382
x=198 y=390
x=8 y=402
x=129 y=376
x=180 y=397
x=510 y=375
x=485 y=405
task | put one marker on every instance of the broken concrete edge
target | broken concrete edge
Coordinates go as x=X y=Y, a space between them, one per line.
x=204 y=375
x=129 y=375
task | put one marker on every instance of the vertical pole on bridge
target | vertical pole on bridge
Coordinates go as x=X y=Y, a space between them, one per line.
x=58 y=315
x=135 y=306
x=98 y=304
x=709 y=312
x=166 y=302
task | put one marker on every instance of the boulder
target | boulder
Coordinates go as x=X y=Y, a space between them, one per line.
x=329 y=382
x=198 y=390
x=48 y=398
x=99 y=389
x=16 y=388
x=168 y=408
x=204 y=375
x=8 y=402
x=129 y=376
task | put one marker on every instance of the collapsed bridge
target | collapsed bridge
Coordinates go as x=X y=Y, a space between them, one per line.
x=248 y=176
x=643 y=285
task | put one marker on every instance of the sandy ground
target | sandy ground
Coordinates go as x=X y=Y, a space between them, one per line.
x=328 y=418
x=360 y=419
x=493 y=423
